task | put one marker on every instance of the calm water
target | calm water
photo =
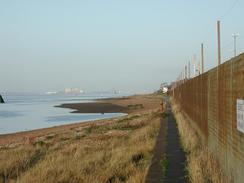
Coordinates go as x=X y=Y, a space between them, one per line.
x=23 y=112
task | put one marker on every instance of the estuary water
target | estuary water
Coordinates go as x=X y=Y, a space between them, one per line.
x=23 y=112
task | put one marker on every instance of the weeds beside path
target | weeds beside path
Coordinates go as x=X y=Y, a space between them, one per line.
x=201 y=164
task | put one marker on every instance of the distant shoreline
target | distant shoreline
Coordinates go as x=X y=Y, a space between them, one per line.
x=130 y=105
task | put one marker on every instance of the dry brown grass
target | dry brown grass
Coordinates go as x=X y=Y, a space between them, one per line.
x=202 y=166
x=119 y=151
x=14 y=161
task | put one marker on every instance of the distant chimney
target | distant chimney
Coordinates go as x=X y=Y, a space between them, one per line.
x=1 y=99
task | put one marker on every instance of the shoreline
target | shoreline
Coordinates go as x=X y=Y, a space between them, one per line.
x=109 y=144
x=26 y=137
x=129 y=105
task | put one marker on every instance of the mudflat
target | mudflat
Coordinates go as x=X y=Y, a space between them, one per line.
x=129 y=105
x=95 y=107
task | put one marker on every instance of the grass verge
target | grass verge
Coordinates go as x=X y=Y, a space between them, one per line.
x=202 y=167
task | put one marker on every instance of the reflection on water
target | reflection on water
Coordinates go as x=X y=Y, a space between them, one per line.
x=10 y=114
x=23 y=113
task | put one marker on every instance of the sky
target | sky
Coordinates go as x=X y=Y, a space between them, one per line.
x=129 y=45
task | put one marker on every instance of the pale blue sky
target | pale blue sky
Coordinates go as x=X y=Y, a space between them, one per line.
x=129 y=45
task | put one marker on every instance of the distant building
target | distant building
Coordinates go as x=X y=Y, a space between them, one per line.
x=51 y=92
x=165 y=89
x=73 y=91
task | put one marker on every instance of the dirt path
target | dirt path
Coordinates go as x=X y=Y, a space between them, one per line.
x=168 y=163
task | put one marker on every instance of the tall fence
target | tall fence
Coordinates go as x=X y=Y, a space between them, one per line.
x=210 y=101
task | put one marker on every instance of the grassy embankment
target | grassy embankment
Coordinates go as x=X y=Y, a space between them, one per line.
x=201 y=165
x=118 y=151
